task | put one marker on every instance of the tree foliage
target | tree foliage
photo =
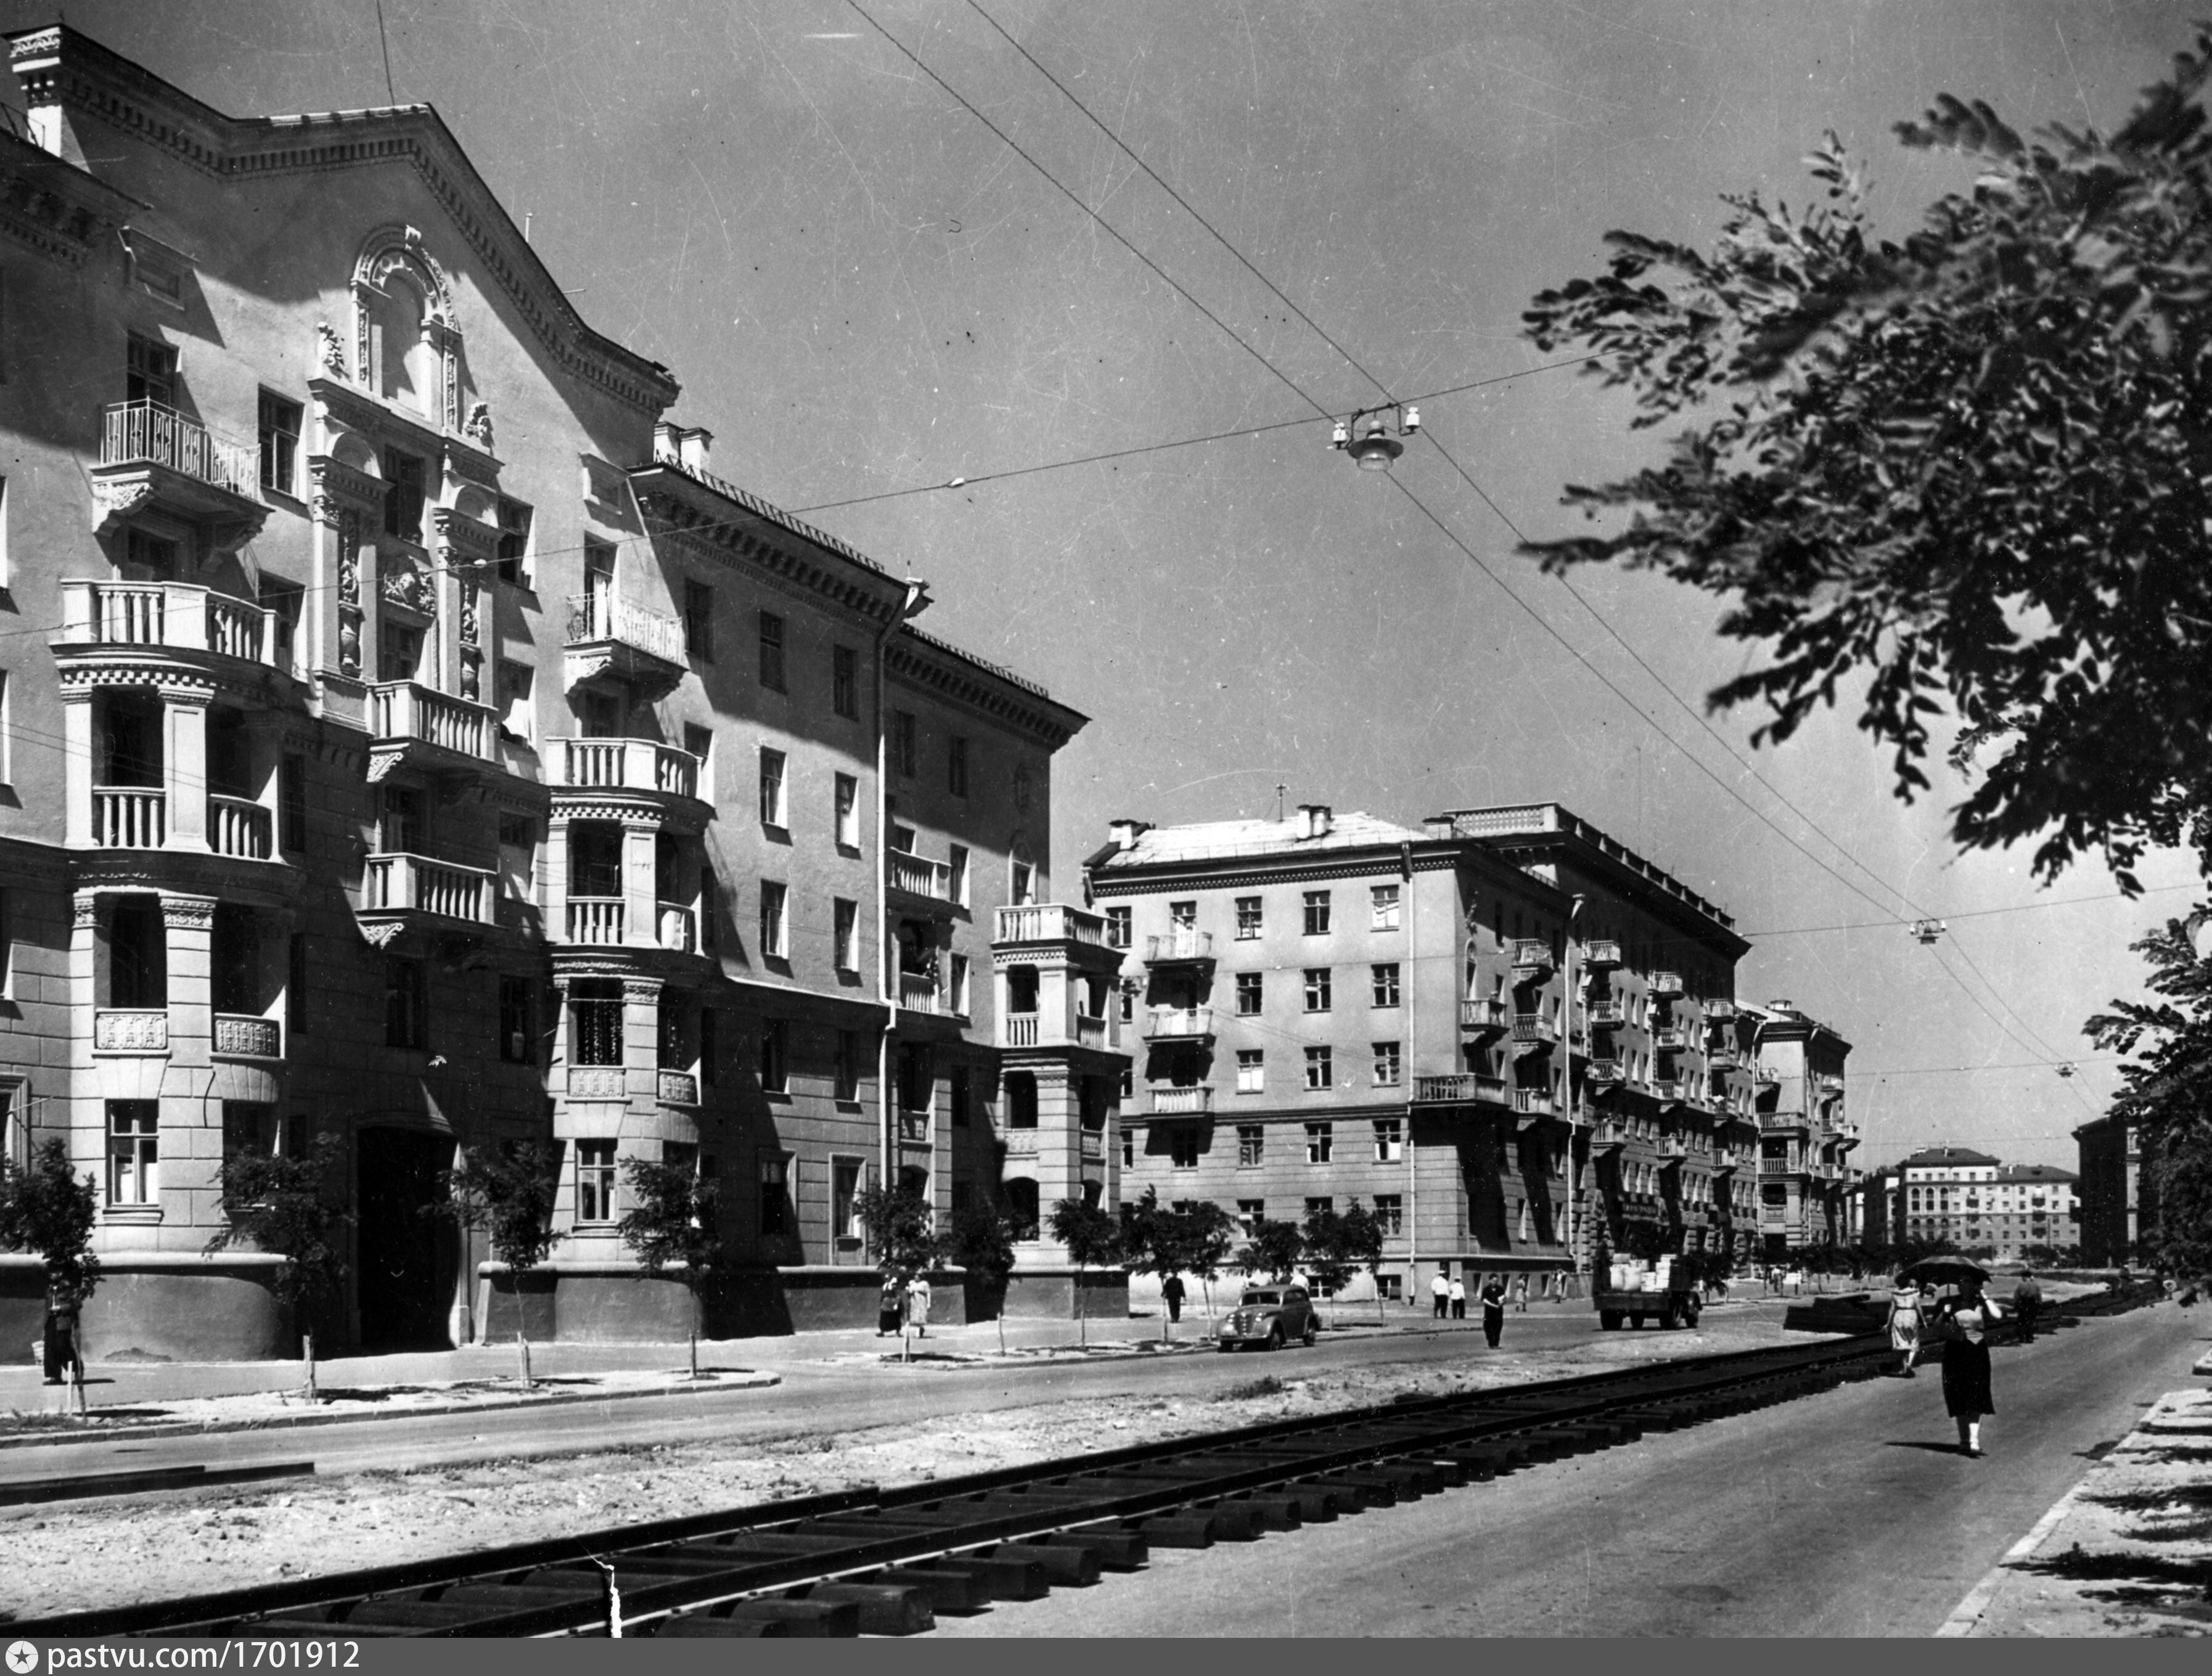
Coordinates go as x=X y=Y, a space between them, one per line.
x=509 y=1191
x=1272 y=1248
x=902 y=1229
x=2166 y=1092
x=1972 y=465
x=674 y=1220
x=45 y=1208
x=1093 y=1241
x=292 y=1206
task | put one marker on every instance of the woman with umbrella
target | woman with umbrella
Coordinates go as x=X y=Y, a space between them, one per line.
x=1963 y=1322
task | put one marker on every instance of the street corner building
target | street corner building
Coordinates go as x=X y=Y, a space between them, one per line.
x=1513 y=1038
x=408 y=739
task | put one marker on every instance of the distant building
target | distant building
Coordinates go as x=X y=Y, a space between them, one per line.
x=1804 y=1139
x=2118 y=1208
x=1874 y=1214
x=1979 y=1203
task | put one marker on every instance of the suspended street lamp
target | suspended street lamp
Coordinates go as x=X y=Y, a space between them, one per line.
x=1366 y=436
x=1929 y=931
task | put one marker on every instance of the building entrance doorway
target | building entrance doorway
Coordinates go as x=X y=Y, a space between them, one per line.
x=409 y=1262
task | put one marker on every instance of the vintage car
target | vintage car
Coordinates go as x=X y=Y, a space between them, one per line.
x=1268 y=1315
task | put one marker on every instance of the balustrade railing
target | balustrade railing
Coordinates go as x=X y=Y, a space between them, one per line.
x=1458 y=1088
x=239 y=827
x=678 y=1088
x=1531 y=951
x=632 y=765
x=1484 y=1012
x=918 y=993
x=1536 y=1101
x=1049 y=922
x=147 y=432
x=1534 y=1027
x=182 y=616
x=595 y=919
x=1181 y=1101
x=1089 y=1032
x=419 y=884
x=1021 y=1030
x=409 y=710
x=1183 y=943
x=921 y=877
x=598 y=616
x=1168 y=1023
x=247 y=1035
x=1021 y=1143
x=129 y=818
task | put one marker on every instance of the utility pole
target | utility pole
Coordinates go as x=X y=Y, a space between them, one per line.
x=1574 y=1110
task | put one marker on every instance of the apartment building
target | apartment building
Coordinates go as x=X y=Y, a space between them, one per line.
x=1804 y=1139
x=2116 y=1202
x=408 y=739
x=1466 y=1026
x=1982 y=1203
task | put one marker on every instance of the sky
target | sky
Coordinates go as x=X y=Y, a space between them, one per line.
x=869 y=294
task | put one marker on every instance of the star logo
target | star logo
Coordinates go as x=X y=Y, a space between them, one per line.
x=23 y=1658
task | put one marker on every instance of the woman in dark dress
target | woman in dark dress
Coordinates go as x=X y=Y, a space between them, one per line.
x=1963 y=1323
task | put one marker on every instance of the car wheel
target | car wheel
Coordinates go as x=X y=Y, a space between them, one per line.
x=1310 y=1334
x=1636 y=1322
x=1609 y=1319
x=1690 y=1313
x=1275 y=1336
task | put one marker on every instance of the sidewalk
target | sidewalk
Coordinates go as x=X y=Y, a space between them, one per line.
x=2127 y=1551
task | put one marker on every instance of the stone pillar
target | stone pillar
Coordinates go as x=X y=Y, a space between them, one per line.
x=1059 y=1149
x=641 y=1040
x=184 y=764
x=556 y=880
x=81 y=765
x=641 y=885
x=190 y=1119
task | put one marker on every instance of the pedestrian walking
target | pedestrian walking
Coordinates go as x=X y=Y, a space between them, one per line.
x=1440 y=1289
x=917 y=1304
x=1963 y=1323
x=888 y=1303
x=1521 y=1295
x=2027 y=1304
x=1458 y=1299
x=1905 y=1324
x=1493 y=1309
x=1172 y=1296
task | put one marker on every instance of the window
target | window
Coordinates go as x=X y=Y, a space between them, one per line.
x=845 y=1224
x=248 y=1126
x=698 y=619
x=1389 y=1140
x=1249 y=993
x=845 y=934
x=775 y=1056
x=518 y=716
x=1023 y=877
x=844 y=682
x=1386 y=1064
x=149 y=372
x=595 y=1021
x=774 y=899
x=1317 y=989
x=295 y=984
x=399 y=651
x=959 y=969
x=148 y=558
x=292 y=802
x=710 y=908
x=1320 y=1206
x=1250 y=1210
x=595 y=1180
x=956 y=860
x=699 y=743
x=772 y=809
x=1118 y=932
x=1316 y=913
x=1247 y=919
x=849 y=812
x=1321 y=1070
x=1319 y=1137
x=403 y=495
x=903 y=755
x=771 y=652
x=1251 y=1071
x=134 y=1151
x=847 y=1070
x=956 y=765
x=514 y=549
x=514 y=1020
x=1182 y=916
x=406 y=1003
x=1390 y=1213
x=1183 y=1146
x=1129 y=1149
x=1386 y=907
x=280 y=442
x=1385 y=979
x=1251 y=1146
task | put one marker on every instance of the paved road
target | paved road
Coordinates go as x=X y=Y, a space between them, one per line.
x=1842 y=1514
x=815 y=1397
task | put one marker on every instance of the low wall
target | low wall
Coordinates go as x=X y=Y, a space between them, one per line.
x=158 y=1307
x=1052 y=1291
x=616 y=1302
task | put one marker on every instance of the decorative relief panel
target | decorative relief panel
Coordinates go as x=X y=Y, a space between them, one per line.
x=597 y=1081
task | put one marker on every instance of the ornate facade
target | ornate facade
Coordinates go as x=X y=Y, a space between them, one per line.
x=362 y=779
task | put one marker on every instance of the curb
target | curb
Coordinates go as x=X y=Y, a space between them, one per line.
x=281 y=1422
x=1966 y=1616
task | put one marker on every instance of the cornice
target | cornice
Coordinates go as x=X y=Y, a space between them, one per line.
x=1002 y=696
x=53 y=206
x=671 y=512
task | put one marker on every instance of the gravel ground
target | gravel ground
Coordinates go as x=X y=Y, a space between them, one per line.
x=124 y=1549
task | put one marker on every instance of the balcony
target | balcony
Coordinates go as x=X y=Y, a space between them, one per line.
x=918 y=994
x=595 y=919
x=623 y=765
x=1535 y=1102
x=677 y=1088
x=1093 y=1032
x=1666 y=983
x=1178 y=1024
x=1533 y=1031
x=1832 y=1087
x=1049 y=922
x=1671 y=1039
x=1020 y=1143
x=1485 y=1015
x=151 y=455
x=1723 y=1057
x=410 y=723
x=1018 y=1030
x=1531 y=954
x=1610 y=1136
x=134 y=1030
x=176 y=616
x=405 y=883
x=1182 y=1101
x=240 y=1035
x=1608 y=1015
x=1183 y=947
x=1460 y=1089
x=1719 y=1012
x=239 y=827
x=914 y=1128
x=1602 y=1072
x=129 y=818
x=919 y=880
x=611 y=640
x=1602 y=955
x=1766 y=1076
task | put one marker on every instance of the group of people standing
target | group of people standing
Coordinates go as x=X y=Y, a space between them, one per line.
x=1447 y=1293
x=898 y=1306
x=1961 y=1324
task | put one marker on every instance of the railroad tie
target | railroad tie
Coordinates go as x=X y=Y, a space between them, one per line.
x=885 y=1609
x=1007 y=1578
x=839 y=1619
x=1063 y=1567
x=950 y=1593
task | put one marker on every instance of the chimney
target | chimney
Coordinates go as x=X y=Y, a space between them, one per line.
x=694 y=443
x=1303 y=827
x=1319 y=820
x=1125 y=833
x=36 y=59
x=664 y=444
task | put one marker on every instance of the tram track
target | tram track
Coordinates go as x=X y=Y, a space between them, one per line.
x=889 y=1561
